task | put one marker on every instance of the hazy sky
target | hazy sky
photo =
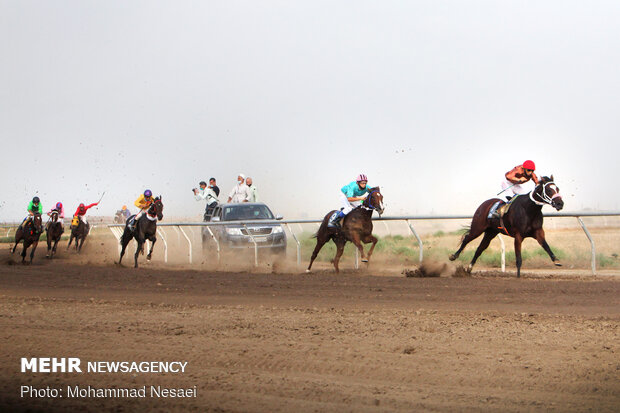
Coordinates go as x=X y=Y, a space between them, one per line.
x=433 y=100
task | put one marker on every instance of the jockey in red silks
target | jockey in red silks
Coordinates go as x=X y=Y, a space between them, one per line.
x=512 y=186
x=81 y=211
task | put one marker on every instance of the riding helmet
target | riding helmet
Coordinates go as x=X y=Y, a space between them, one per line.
x=529 y=165
x=361 y=177
x=59 y=205
x=82 y=206
x=148 y=193
x=36 y=200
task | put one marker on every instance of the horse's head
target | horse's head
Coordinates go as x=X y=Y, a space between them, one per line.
x=54 y=216
x=374 y=200
x=548 y=192
x=157 y=208
x=37 y=222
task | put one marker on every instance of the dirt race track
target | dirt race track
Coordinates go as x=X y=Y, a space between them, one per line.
x=319 y=342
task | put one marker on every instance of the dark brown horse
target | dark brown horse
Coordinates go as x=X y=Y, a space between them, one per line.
x=29 y=233
x=145 y=228
x=524 y=219
x=79 y=232
x=356 y=227
x=54 y=231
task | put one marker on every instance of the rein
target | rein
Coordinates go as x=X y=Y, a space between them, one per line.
x=370 y=207
x=546 y=199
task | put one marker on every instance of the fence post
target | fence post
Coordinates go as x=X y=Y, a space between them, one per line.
x=217 y=243
x=501 y=241
x=255 y=245
x=298 y=245
x=163 y=238
x=418 y=238
x=592 y=247
x=188 y=241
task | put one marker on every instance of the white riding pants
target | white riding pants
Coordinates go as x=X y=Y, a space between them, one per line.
x=346 y=205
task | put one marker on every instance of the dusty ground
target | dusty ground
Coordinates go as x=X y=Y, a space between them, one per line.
x=294 y=342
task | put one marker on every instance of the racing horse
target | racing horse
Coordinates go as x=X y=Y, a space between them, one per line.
x=79 y=231
x=29 y=233
x=522 y=220
x=145 y=228
x=356 y=227
x=54 y=231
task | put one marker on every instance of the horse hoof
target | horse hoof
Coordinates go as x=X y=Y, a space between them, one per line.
x=308 y=271
x=364 y=260
x=469 y=268
x=557 y=263
x=452 y=257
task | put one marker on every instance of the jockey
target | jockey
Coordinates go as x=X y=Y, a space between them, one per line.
x=351 y=196
x=511 y=186
x=61 y=213
x=143 y=203
x=81 y=211
x=125 y=211
x=33 y=207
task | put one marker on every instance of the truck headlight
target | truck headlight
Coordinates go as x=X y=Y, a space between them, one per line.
x=277 y=230
x=233 y=231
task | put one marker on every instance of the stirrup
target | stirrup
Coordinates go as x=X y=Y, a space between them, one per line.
x=334 y=221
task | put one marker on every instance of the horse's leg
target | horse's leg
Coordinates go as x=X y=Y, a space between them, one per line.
x=540 y=237
x=124 y=242
x=140 y=248
x=18 y=237
x=373 y=239
x=49 y=244
x=518 y=241
x=489 y=234
x=477 y=228
x=355 y=239
x=340 y=242
x=54 y=247
x=81 y=242
x=320 y=241
x=152 y=238
x=26 y=245
x=70 y=240
x=34 y=247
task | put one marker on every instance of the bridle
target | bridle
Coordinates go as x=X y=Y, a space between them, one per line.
x=370 y=206
x=546 y=199
x=151 y=213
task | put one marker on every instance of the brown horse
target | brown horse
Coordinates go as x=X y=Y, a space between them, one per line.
x=29 y=233
x=356 y=227
x=524 y=219
x=79 y=231
x=145 y=228
x=54 y=231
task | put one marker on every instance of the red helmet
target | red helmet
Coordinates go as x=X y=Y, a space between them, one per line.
x=59 y=205
x=361 y=177
x=81 y=206
x=529 y=165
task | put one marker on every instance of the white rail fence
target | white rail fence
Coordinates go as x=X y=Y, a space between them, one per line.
x=117 y=230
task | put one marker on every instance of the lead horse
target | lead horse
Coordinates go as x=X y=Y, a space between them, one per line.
x=356 y=227
x=524 y=219
x=145 y=228
x=29 y=233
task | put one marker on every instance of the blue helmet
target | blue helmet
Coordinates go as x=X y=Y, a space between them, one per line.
x=148 y=193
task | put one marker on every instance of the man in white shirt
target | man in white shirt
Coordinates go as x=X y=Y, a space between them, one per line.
x=253 y=190
x=240 y=192
x=206 y=193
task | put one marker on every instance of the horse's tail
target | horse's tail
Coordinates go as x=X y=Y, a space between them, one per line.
x=466 y=230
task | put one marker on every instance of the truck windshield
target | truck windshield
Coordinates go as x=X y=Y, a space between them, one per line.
x=246 y=212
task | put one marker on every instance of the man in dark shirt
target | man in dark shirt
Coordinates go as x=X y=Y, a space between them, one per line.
x=213 y=186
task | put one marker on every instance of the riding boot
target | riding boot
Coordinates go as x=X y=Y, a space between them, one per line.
x=499 y=212
x=334 y=220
